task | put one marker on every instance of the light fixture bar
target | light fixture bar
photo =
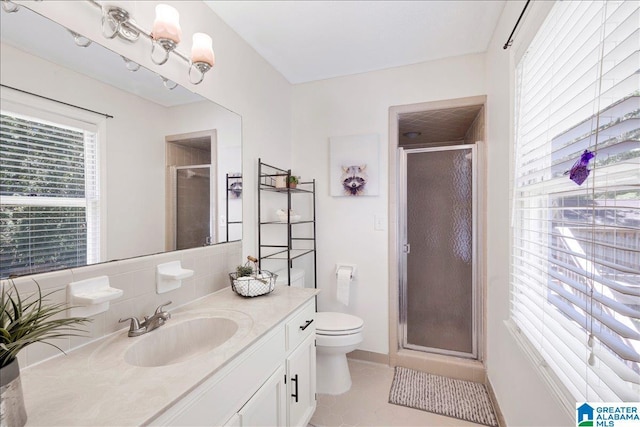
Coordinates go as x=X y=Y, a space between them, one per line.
x=132 y=30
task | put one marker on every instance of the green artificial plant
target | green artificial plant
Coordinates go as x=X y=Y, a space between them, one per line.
x=294 y=179
x=27 y=320
x=244 y=270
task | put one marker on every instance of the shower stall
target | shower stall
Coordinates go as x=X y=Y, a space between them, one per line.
x=194 y=221
x=436 y=303
x=437 y=262
x=192 y=190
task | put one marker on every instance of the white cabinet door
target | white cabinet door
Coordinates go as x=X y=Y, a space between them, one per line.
x=301 y=383
x=267 y=407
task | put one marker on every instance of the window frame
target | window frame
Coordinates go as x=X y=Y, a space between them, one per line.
x=560 y=390
x=28 y=106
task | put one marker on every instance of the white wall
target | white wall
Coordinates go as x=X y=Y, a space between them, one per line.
x=359 y=104
x=514 y=379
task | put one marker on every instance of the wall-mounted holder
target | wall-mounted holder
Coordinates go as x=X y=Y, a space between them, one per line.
x=91 y=296
x=169 y=276
x=351 y=267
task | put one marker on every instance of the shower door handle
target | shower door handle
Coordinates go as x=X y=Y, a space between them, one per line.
x=406 y=248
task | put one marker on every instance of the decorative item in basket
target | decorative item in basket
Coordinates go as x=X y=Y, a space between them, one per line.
x=250 y=281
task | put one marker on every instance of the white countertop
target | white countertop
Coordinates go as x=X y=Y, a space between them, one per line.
x=93 y=385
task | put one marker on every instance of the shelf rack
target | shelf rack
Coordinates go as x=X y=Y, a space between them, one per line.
x=231 y=179
x=267 y=176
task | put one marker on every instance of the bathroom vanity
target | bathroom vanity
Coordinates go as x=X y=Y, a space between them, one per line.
x=262 y=372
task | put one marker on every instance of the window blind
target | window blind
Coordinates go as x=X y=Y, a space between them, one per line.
x=575 y=263
x=49 y=195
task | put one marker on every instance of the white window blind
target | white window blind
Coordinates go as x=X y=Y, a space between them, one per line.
x=49 y=194
x=575 y=264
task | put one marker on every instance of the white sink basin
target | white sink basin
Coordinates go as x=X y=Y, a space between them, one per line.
x=176 y=343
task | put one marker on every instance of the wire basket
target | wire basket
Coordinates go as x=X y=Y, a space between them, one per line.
x=260 y=282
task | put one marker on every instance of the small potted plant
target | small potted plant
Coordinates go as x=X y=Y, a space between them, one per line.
x=25 y=320
x=243 y=271
x=294 y=181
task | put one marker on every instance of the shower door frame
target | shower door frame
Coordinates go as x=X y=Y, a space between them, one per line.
x=404 y=248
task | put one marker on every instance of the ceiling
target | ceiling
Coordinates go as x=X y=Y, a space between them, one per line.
x=436 y=126
x=314 y=40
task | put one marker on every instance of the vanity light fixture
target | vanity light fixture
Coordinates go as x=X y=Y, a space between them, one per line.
x=131 y=66
x=165 y=36
x=202 y=57
x=80 y=40
x=169 y=84
x=166 y=32
x=116 y=22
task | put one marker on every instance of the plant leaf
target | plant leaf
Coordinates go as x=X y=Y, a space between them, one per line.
x=27 y=320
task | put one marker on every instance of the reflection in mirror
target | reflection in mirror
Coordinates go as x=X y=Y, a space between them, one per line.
x=137 y=170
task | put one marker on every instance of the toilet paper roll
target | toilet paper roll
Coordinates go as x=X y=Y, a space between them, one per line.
x=342 y=288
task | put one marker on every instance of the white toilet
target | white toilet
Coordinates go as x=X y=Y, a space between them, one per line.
x=336 y=335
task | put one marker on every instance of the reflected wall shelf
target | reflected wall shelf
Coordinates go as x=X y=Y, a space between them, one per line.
x=300 y=239
x=234 y=191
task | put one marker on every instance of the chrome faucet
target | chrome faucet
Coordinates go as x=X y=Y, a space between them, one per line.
x=137 y=328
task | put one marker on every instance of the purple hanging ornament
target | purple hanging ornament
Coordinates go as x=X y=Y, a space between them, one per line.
x=579 y=171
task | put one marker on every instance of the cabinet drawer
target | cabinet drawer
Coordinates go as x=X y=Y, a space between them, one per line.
x=301 y=325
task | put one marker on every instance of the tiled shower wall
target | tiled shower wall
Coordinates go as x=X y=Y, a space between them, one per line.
x=137 y=278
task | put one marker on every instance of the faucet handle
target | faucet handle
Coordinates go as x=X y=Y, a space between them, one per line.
x=159 y=309
x=135 y=323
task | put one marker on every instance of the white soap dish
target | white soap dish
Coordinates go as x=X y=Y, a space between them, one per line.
x=169 y=276
x=91 y=296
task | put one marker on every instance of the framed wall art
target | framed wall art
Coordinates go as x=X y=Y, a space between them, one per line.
x=354 y=167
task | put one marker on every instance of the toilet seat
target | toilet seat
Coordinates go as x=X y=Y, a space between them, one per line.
x=332 y=323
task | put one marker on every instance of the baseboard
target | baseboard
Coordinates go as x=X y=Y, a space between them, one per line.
x=447 y=366
x=494 y=401
x=369 y=356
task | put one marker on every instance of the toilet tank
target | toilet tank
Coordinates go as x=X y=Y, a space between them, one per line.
x=297 y=277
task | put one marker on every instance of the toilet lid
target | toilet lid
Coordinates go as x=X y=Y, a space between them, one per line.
x=330 y=323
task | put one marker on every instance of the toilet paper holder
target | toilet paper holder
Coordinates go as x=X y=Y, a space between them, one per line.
x=351 y=267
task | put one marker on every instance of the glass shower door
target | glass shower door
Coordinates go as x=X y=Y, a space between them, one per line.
x=193 y=219
x=438 y=296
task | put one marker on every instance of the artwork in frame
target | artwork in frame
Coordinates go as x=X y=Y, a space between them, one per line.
x=354 y=165
x=235 y=185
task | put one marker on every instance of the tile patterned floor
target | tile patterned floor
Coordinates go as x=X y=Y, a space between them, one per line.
x=366 y=404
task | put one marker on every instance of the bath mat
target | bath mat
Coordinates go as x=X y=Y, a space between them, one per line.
x=460 y=399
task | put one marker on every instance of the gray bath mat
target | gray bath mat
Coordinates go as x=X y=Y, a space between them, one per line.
x=464 y=400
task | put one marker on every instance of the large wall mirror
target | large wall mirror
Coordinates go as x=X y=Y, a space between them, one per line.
x=78 y=187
